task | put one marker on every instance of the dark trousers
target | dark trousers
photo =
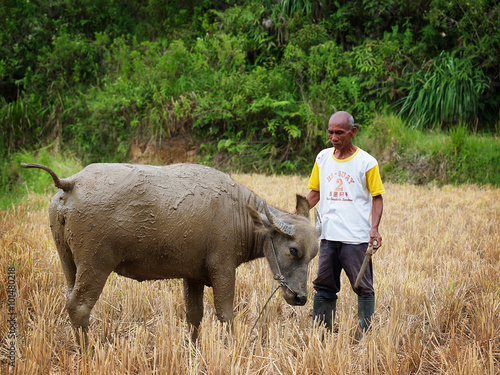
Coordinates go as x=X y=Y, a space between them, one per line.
x=336 y=256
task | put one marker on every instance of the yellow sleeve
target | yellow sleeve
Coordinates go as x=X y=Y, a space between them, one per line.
x=314 y=179
x=374 y=182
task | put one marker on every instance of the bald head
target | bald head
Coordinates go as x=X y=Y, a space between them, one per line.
x=342 y=117
x=341 y=129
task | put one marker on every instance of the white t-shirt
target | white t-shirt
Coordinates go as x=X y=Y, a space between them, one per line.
x=346 y=188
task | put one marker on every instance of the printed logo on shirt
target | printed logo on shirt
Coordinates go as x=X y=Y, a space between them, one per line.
x=345 y=176
x=341 y=176
x=339 y=196
x=339 y=179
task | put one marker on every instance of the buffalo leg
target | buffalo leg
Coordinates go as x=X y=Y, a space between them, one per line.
x=223 y=287
x=82 y=298
x=193 y=295
x=64 y=251
x=68 y=264
x=223 y=296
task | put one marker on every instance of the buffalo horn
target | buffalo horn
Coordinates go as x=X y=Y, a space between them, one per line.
x=282 y=227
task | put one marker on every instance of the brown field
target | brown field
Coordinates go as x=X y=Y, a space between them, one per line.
x=437 y=281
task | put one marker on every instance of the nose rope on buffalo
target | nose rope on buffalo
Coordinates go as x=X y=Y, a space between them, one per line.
x=282 y=282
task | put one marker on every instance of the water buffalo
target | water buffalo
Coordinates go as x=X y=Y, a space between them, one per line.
x=180 y=221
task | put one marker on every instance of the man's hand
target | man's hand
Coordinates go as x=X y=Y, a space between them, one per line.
x=375 y=235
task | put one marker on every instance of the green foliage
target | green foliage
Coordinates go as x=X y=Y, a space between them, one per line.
x=244 y=24
x=445 y=94
x=16 y=181
x=411 y=155
x=305 y=7
x=72 y=62
x=141 y=97
x=472 y=158
x=309 y=36
x=28 y=122
x=470 y=30
x=24 y=30
x=254 y=82
x=353 y=21
x=36 y=34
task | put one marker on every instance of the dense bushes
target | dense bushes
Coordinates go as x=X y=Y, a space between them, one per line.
x=254 y=81
x=446 y=94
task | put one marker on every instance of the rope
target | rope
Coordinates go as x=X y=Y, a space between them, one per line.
x=279 y=276
x=282 y=282
x=262 y=310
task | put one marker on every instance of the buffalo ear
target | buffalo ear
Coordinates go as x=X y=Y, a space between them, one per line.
x=302 y=206
x=260 y=220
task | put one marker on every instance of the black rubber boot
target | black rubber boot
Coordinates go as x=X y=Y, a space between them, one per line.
x=366 y=307
x=324 y=311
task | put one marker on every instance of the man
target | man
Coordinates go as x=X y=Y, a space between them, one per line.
x=346 y=182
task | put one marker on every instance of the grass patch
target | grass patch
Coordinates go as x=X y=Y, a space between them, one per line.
x=437 y=300
x=456 y=156
x=17 y=182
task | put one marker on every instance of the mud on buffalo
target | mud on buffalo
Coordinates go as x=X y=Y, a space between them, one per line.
x=179 y=221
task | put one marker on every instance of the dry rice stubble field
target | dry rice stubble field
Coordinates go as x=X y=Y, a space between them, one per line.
x=437 y=301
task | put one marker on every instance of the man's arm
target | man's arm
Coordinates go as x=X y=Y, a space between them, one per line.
x=377 y=208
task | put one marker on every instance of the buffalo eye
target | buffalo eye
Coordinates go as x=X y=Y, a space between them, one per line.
x=294 y=251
